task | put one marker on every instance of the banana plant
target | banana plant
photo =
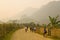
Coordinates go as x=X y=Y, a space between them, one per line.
x=53 y=23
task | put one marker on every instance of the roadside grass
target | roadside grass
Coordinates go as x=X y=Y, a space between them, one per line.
x=56 y=38
x=8 y=36
x=55 y=35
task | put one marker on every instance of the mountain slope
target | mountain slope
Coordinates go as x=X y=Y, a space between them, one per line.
x=27 y=13
x=41 y=15
x=50 y=9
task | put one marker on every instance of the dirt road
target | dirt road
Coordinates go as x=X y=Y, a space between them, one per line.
x=22 y=35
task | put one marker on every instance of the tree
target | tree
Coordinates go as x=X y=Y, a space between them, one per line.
x=53 y=23
x=44 y=25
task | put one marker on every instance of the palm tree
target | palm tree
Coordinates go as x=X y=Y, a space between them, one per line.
x=53 y=23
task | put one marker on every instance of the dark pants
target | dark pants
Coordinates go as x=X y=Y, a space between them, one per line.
x=45 y=32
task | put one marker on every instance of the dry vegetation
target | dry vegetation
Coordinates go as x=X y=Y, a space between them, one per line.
x=7 y=28
x=55 y=33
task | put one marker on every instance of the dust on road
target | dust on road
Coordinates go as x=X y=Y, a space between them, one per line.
x=22 y=35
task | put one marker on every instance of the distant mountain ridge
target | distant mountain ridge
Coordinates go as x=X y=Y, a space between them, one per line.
x=41 y=15
x=51 y=9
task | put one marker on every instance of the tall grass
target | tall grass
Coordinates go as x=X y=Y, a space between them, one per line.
x=7 y=29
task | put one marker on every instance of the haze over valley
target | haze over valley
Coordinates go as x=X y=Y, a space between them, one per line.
x=36 y=12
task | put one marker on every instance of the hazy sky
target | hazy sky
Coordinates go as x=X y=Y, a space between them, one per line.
x=9 y=8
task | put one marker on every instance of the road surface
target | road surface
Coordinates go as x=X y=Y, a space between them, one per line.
x=22 y=35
